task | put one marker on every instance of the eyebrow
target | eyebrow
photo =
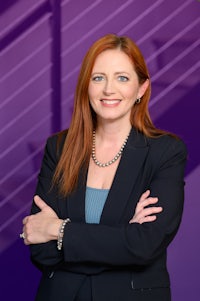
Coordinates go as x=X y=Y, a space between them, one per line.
x=116 y=73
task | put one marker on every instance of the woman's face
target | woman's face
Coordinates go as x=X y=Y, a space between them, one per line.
x=114 y=86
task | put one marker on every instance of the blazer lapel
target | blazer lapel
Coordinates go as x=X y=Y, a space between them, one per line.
x=130 y=164
x=76 y=201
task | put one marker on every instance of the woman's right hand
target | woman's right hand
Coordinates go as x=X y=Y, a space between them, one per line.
x=42 y=226
x=144 y=214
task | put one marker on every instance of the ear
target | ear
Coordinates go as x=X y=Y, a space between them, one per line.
x=143 y=88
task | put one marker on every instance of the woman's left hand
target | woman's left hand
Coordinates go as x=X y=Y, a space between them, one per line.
x=42 y=226
x=143 y=213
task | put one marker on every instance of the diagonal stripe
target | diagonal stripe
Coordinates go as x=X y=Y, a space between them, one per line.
x=64 y=2
x=25 y=111
x=19 y=140
x=68 y=100
x=18 y=189
x=23 y=185
x=145 y=37
x=141 y=16
x=164 y=22
x=167 y=67
x=16 y=215
x=23 y=16
x=174 y=39
x=82 y=14
x=26 y=33
x=24 y=61
x=174 y=84
x=72 y=72
x=76 y=69
x=94 y=29
x=21 y=164
x=30 y=81
x=175 y=60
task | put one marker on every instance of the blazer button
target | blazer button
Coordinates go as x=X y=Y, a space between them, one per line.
x=51 y=274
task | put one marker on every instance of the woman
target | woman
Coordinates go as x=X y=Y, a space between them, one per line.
x=110 y=192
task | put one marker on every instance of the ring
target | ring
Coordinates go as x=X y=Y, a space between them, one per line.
x=22 y=235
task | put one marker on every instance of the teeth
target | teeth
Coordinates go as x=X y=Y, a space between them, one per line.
x=111 y=102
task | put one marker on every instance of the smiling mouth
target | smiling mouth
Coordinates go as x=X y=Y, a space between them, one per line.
x=110 y=101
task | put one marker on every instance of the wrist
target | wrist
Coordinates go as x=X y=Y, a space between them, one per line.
x=61 y=233
x=54 y=229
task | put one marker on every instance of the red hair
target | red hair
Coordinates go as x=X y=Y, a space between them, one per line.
x=77 y=147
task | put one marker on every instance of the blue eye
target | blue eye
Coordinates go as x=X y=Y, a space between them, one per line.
x=97 y=78
x=123 y=78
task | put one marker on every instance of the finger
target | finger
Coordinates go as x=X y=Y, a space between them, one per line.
x=24 y=221
x=144 y=195
x=26 y=242
x=148 y=219
x=148 y=201
x=142 y=204
x=144 y=213
x=39 y=202
x=142 y=220
x=150 y=211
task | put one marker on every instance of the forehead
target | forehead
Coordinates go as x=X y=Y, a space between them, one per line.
x=113 y=58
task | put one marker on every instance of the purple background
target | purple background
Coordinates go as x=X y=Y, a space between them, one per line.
x=36 y=99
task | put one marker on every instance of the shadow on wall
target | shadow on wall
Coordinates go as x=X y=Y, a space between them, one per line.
x=185 y=124
x=4 y=5
x=15 y=270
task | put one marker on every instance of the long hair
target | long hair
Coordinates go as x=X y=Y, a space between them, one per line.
x=77 y=147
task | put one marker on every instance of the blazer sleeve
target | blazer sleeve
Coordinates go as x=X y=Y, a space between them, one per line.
x=116 y=245
x=46 y=254
x=135 y=244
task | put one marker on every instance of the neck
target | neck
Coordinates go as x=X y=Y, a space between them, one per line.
x=112 y=132
x=114 y=159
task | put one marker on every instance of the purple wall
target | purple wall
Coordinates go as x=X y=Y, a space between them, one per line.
x=168 y=34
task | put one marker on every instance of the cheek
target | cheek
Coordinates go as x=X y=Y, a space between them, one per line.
x=89 y=91
x=92 y=92
x=92 y=97
x=130 y=94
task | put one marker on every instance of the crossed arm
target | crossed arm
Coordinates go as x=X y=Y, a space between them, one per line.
x=146 y=235
x=44 y=226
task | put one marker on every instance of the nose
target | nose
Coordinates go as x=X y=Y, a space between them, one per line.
x=108 y=87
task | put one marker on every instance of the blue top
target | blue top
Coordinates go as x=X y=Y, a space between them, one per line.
x=94 y=202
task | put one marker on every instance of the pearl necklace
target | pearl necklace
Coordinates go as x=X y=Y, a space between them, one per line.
x=111 y=161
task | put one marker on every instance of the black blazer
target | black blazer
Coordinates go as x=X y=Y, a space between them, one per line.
x=120 y=258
